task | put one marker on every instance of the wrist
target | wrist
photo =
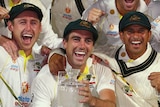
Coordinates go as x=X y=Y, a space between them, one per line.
x=93 y=102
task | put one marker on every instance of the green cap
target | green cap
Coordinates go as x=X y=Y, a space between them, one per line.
x=80 y=25
x=134 y=18
x=16 y=10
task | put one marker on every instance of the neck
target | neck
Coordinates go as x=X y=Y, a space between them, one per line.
x=15 y=1
x=82 y=68
x=122 y=11
x=134 y=56
x=28 y=52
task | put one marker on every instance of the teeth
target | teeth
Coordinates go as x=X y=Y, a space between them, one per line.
x=81 y=53
x=136 y=42
x=129 y=1
x=27 y=35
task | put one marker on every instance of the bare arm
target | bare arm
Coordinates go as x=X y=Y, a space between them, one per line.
x=106 y=97
x=57 y=61
x=10 y=46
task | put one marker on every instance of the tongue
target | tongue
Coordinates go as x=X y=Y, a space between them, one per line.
x=27 y=40
x=129 y=1
x=80 y=56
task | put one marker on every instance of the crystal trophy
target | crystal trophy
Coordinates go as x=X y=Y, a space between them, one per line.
x=68 y=85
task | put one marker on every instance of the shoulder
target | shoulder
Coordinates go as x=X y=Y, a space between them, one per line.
x=44 y=72
x=102 y=68
x=43 y=88
x=105 y=78
x=43 y=76
x=3 y=55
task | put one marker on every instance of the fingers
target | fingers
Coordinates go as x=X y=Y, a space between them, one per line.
x=155 y=81
x=85 y=92
x=95 y=15
x=14 y=49
x=97 y=59
x=154 y=75
x=4 y=13
x=45 y=50
x=11 y=47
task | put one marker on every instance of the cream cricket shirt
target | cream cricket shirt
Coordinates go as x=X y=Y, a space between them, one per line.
x=140 y=93
x=18 y=75
x=44 y=86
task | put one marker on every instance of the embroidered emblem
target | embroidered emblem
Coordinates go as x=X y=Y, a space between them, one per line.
x=25 y=87
x=127 y=90
x=157 y=20
x=111 y=26
x=85 y=24
x=28 y=5
x=112 y=11
x=67 y=10
x=88 y=77
x=37 y=66
x=134 y=18
x=123 y=54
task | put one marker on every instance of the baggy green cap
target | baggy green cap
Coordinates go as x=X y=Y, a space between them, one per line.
x=16 y=10
x=80 y=25
x=133 y=18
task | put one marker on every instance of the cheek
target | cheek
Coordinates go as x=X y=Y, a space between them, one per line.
x=90 y=48
x=68 y=45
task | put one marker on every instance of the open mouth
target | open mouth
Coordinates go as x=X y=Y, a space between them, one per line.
x=136 y=43
x=80 y=55
x=128 y=1
x=27 y=38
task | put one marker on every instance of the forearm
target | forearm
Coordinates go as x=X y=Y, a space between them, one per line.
x=96 y=102
x=59 y=51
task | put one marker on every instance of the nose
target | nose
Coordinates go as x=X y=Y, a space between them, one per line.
x=28 y=26
x=82 y=44
x=136 y=34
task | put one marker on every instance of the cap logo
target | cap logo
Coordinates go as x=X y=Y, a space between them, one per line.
x=135 y=18
x=28 y=5
x=85 y=24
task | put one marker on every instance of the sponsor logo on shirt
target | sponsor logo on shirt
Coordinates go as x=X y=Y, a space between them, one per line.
x=14 y=67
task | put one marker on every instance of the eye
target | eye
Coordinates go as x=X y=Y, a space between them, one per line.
x=89 y=41
x=23 y=22
x=141 y=31
x=76 y=39
x=129 y=32
x=34 y=22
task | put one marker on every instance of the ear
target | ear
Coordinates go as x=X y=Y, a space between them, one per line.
x=10 y=25
x=64 y=43
x=149 y=35
x=40 y=27
x=121 y=36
